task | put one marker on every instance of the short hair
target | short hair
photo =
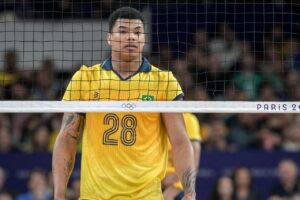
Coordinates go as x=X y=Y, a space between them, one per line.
x=124 y=13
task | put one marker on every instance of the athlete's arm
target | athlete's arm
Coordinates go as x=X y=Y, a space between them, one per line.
x=182 y=151
x=64 y=152
x=197 y=153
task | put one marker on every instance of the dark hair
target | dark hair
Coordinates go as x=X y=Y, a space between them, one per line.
x=215 y=194
x=234 y=175
x=124 y=13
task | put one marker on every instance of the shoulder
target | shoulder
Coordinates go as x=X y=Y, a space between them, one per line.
x=162 y=74
x=87 y=72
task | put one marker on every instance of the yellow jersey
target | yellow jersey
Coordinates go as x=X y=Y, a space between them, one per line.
x=192 y=126
x=124 y=155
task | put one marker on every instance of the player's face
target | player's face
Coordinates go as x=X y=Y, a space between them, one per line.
x=127 y=38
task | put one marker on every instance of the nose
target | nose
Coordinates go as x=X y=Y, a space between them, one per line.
x=131 y=36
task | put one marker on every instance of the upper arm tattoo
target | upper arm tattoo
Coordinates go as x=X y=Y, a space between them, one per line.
x=73 y=125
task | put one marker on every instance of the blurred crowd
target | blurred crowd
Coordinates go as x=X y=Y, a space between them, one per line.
x=59 y=9
x=39 y=185
x=238 y=185
x=214 y=68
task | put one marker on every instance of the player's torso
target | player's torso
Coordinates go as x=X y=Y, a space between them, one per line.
x=123 y=153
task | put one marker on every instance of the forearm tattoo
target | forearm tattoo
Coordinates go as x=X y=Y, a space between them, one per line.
x=68 y=167
x=189 y=181
x=73 y=125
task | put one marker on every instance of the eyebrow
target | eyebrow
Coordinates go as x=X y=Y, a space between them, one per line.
x=138 y=27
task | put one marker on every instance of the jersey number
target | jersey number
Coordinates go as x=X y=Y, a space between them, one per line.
x=128 y=133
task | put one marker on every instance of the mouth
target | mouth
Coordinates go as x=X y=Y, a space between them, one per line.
x=130 y=47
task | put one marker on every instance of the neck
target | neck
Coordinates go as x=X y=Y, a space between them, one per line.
x=242 y=187
x=289 y=185
x=126 y=67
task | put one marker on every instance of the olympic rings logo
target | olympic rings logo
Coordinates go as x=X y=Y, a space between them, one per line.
x=128 y=106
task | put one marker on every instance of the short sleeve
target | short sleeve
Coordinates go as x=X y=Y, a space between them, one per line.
x=174 y=91
x=78 y=85
x=192 y=126
x=73 y=90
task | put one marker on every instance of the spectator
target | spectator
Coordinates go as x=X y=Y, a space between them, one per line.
x=183 y=75
x=291 y=81
x=272 y=68
x=288 y=181
x=223 y=189
x=214 y=77
x=6 y=140
x=41 y=139
x=2 y=179
x=197 y=94
x=291 y=138
x=5 y=196
x=233 y=93
x=242 y=130
x=267 y=93
x=226 y=46
x=267 y=139
x=9 y=75
x=197 y=54
x=243 y=185
x=19 y=91
x=46 y=88
x=248 y=79
x=216 y=136
x=3 y=188
x=37 y=186
x=280 y=41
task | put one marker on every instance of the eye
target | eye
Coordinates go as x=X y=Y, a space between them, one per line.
x=122 y=31
x=138 y=33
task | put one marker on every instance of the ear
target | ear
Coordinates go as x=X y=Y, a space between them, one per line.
x=108 y=38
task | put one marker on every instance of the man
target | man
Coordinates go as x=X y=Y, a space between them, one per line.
x=172 y=188
x=124 y=155
x=37 y=187
x=288 y=185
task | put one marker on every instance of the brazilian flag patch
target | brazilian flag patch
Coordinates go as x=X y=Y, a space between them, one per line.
x=147 y=97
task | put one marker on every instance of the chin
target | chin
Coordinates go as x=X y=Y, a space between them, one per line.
x=128 y=56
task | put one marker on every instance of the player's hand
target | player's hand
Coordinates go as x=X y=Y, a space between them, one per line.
x=169 y=180
x=188 y=197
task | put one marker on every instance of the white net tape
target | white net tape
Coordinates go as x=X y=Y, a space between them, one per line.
x=149 y=106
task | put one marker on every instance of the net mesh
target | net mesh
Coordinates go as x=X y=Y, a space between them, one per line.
x=218 y=51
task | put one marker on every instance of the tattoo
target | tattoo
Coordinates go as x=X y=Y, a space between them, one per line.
x=68 y=119
x=73 y=125
x=68 y=167
x=75 y=137
x=189 y=181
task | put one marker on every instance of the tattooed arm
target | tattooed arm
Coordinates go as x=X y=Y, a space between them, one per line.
x=182 y=152
x=64 y=152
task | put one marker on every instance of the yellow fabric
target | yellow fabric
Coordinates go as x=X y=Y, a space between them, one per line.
x=124 y=155
x=7 y=78
x=192 y=126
